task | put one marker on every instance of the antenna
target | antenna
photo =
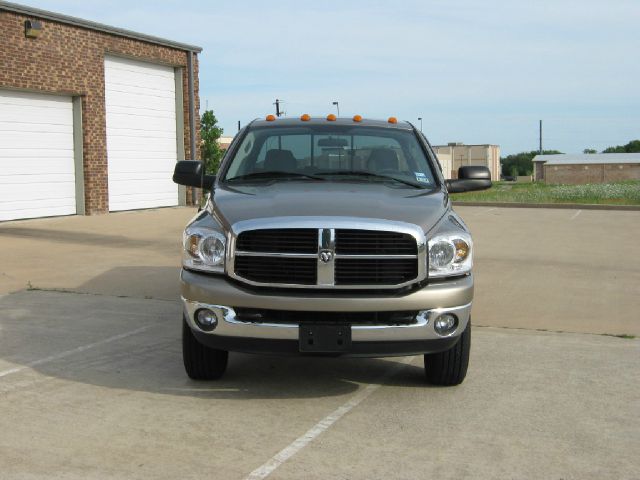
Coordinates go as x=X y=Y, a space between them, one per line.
x=540 y=149
x=277 y=104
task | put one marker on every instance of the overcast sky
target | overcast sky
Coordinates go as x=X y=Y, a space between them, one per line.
x=475 y=71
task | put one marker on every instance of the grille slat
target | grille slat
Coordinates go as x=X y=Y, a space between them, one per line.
x=255 y=315
x=374 y=272
x=301 y=271
x=289 y=240
x=373 y=242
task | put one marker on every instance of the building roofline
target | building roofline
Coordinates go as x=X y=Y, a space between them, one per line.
x=469 y=145
x=587 y=159
x=79 y=22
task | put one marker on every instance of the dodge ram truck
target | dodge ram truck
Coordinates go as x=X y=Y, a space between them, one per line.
x=328 y=236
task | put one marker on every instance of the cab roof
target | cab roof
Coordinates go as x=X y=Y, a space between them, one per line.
x=297 y=121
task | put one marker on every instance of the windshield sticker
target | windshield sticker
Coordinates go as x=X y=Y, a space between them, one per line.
x=421 y=177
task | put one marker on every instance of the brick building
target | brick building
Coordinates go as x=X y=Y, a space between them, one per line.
x=92 y=117
x=587 y=168
x=455 y=155
x=225 y=142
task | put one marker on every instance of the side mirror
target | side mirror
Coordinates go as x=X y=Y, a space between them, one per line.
x=470 y=178
x=189 y=173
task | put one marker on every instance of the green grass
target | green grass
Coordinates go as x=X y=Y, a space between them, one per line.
x=618 y=193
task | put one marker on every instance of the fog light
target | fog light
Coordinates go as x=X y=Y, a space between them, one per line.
x=445 y=324
x=206 y=319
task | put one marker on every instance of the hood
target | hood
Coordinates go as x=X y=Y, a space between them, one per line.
x=334 y=199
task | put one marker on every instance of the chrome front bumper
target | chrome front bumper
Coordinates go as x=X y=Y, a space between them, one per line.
x=220 y=295
x=230 y=326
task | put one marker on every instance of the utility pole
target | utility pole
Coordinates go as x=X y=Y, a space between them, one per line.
x=277 y=104
x=337 y=107
x=540 y=149
x=420 y=118
x=238 y=125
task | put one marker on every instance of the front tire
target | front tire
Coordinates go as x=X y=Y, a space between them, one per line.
x=449 y=367
x=201 y=362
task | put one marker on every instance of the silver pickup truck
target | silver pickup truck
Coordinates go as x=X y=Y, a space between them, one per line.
x=328 y=236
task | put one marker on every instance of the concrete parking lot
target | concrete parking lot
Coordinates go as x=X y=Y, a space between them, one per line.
x=92 y=386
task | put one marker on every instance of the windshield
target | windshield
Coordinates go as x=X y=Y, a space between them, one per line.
x=330 y=153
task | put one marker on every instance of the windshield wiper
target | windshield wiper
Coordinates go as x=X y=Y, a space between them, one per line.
x=363 y=173
x=273 y=176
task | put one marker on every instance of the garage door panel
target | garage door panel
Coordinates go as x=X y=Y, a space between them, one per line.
x=125 y=71
x=33 y=114
x=39 y=127
x=36 y=180
x=43 y=154
x=46 y=140
x=156 y=144
x=49 y=102
x=120 y=111
x=141 y=134
x=148 y=103
x=123 y=90
x=152 y=123
x=37 y=168
x=129 y=188
x=146 y=75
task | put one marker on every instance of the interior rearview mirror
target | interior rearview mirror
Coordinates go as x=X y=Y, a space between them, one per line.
x=332 y=142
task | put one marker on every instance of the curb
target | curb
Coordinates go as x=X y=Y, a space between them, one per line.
x=567 y=206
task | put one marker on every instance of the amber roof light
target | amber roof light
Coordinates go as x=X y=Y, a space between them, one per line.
x=305 y=117
x=331 y=117
x=270 y=118
x=392 y=120
x=357 y=118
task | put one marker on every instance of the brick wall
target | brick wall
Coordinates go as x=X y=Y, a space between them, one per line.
x=592 y=173
x=69 y=60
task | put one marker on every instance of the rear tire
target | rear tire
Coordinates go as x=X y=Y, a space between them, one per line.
x=449 y=367
x=201 y=362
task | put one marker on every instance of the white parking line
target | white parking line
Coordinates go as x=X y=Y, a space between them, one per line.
x=575 y=215
x=66 y=353
x=264 y=470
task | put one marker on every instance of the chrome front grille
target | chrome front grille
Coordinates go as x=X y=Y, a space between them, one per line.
x=332 y=257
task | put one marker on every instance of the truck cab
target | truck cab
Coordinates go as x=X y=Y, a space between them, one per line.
x=328 y=237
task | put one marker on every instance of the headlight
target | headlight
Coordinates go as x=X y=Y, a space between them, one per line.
x=450 y=255
x=204 y=249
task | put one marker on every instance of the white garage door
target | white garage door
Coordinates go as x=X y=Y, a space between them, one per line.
x=141 y=134
x=37 y=174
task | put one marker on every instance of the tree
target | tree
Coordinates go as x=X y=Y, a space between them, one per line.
x=632 y=147
x=521 y=163
x=589 y=150
x=210 y=132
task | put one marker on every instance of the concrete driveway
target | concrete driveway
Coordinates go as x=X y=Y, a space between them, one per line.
x=92 y=386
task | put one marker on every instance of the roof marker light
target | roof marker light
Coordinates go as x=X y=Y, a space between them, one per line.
x=357 y=118
x=331 y=117
x=392 y=120
x=270 y=118
x=305 y=117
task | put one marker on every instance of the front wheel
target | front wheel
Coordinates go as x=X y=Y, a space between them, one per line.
x=201 y=362
x=449 y=367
